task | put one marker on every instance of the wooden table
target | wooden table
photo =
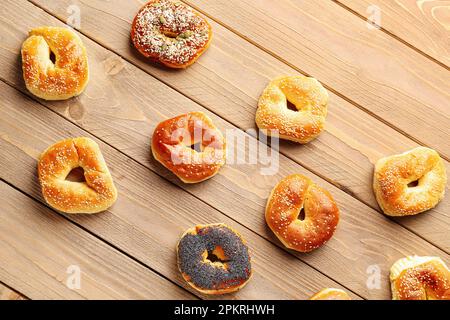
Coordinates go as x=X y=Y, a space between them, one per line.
x=389 y=92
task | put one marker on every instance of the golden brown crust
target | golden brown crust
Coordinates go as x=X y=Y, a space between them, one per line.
x=287 y=199
x=331 y=294
x=65 y=78
x=96 y=194
x=393 y=174
x=170 y=32
x=308 y=96
x=226 y=288
x=172 y=141
x=420 y=278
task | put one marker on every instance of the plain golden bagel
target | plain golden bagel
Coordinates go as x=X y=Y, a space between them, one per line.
x=61 y=79
x=190 y=146
x=214 y=259
x=331 y=294
x=291 y=196
x=170 y=32
x=420 y=278
x=97 y=193
x=307 y=95
x=409 y=183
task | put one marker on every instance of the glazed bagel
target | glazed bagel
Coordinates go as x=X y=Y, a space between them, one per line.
x=214 y=259
x=172 y=143
x=420 y=278
x=96 y=194
x=170 y=32
x=331 y=294
x=393 y=177
x=289 y=197
x=67 y=76
x=308 y=96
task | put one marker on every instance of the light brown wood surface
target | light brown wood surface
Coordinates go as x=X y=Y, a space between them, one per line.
x=344 y=155
x=128 y=96
x=8 y=294
x=425 y=25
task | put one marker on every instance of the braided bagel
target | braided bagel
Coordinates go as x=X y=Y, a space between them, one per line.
x=173 y=141
x=420 y=278
x=331 y=294
x=308 y=96
x=290 y=196
x=393 y=177
x=214 y=259
x=67 y=76
x=170 y=32
x=96 y=194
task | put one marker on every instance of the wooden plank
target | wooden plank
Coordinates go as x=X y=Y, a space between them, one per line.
x=422 y=24
x=146 y=221
x=42 y=254
x=380 y=74
x=9 y=294
x=115 y=110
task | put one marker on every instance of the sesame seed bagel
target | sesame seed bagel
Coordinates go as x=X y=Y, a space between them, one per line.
x=420 y=278
x=393 y=176
x=170 y=32
x=174 y=144
x=214 y=259
x=97 y=193
x=331 y=294
x=67 y=76
x=290 y=196
x=307 y=95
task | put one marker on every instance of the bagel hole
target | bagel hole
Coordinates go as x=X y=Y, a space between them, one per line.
x=216 y=255
x=302 y=215
x=197 y=147
x=76 y=175
x=291 y=106
x=52 y=57
x=413 y=184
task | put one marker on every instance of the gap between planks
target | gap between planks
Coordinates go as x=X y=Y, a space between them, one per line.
x=32 y=98
x=331 y=181
x=114 y=247
x=13 y=294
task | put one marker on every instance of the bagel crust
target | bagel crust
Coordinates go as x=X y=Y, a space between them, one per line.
x=96 y=194
x=393 y=174
x=67 y=76
x=307 y=95
x=172 y=143
x=331 y=294
x=420 y=278
x=229 y=274
x=288 y=198
x=170 y=32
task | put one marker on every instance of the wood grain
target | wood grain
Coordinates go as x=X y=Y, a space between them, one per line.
x=380 y=74
x=114 y=109
x=424 y=24
x=38 y=248
x=146 y=221
x=8 y=294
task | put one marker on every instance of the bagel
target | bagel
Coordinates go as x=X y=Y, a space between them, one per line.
x=393 y=177
x=331 y=294
x=62 y=79
x=420 y=278
x=97 y=193
x=171 y=33
x=307 y=95
x=173 y=141
x=290 y=196
x=214 y=259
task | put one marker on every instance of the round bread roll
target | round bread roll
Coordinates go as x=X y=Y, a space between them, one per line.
x=409 y=183
x=62 y=79
x=97 y=193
